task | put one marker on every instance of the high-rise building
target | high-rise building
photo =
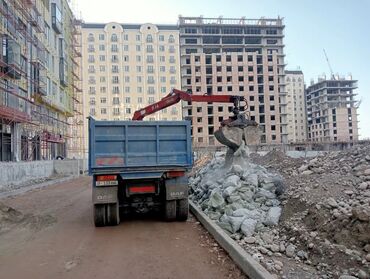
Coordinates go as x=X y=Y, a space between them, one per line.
x=296 y=107
x=127 y=67
x=235 y=56
x=36 y=84
x=332 y=110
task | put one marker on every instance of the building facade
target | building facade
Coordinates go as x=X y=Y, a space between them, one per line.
x=332 y=110
x=296 y=107
x=237 y=57
x=127 y=67
x=36 y=69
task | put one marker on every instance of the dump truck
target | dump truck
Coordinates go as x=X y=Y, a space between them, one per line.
x=141 y=165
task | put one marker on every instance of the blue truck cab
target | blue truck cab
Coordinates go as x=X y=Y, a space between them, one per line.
x=139 y=166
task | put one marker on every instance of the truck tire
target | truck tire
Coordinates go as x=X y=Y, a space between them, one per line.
x=99 y=215
x=182 y=209
x=170 y=210
x=112 y=214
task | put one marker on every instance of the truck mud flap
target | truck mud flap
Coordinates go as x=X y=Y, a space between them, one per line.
x=104 y=195
x=177 y=188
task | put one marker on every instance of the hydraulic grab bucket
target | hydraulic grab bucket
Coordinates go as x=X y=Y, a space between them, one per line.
x=235 y=130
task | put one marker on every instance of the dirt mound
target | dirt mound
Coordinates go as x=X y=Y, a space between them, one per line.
x=326 y=213
x=10 y=218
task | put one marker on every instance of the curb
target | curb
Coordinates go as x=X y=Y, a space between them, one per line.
x=25 y=189
x=243 y=260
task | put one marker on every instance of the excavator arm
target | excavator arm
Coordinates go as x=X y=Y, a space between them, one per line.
x=177 y=95
x=233 y=131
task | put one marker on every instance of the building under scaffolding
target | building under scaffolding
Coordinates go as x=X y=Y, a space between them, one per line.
x=37 y=84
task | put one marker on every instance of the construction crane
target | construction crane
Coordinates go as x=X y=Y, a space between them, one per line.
x=233 y=131
x=327 y=60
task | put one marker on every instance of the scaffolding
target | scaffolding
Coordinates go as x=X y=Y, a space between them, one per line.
x=76 y=146
x=32 y=126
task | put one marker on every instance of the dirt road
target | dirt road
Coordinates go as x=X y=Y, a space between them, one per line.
x=56 y=238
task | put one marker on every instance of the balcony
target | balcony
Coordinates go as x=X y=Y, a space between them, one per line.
x=12 y=57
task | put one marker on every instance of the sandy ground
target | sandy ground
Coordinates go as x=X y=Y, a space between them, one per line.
x=55 y=238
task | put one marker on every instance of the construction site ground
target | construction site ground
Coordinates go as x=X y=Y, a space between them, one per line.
x=49 y=233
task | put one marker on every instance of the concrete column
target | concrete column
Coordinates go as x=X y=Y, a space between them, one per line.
x=16 y=142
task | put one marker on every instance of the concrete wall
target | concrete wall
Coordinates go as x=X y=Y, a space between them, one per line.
x=16 y=173
x=20 y=172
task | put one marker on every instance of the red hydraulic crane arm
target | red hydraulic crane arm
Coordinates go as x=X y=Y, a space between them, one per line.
x=175 y=96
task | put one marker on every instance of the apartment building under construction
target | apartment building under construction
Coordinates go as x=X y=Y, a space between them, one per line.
x=235 y=56
x=332 y=110
x=38 y=83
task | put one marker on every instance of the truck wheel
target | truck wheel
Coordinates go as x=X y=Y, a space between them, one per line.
x=170 y=210
x=113 y=214
x=182 y=209
x=99 y=215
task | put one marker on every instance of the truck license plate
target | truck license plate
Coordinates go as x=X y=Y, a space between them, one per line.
x=106 y=183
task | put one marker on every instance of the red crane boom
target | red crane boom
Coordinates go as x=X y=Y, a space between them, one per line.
x=177 y=95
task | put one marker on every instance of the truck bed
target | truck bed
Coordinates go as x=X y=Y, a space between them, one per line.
x=139 y=146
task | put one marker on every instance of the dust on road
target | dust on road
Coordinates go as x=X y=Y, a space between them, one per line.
x=49 y=233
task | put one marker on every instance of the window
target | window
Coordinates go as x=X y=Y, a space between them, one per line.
x=161 y=38
x=126 y=58
x=138 y=69
x=103 y=89
x=127 y=79
x=114 y=58
x=151 y=80
x=125 y=37
x=149 y=48
x=101 y=47
x=91 y=59
x=125 y=47
x=171 y=39
x=162 y=69
x=115 y=80
x=163 y=90
x=102 y=68
x=128 y=110
x=138 y=58
x=151 y=90
x=163 y=79
x=127 y=100
x=115 y=101
x=149 y=38
x=172 y=59
x=172 y=70
x=139 y=79
x=92 y=101
x=140 y=100
x=115 y=89
x=101 y=37
x=114 y=68
x=171 y=49
x=161 y=48
x=151 y=100
x=102 y=79
x=127 y=89
x=127 y=68
x=114 y=38
x=162 y=59
x=103 y=100
x=103 y=111
x=139 y=89
x=115 y=111
x=90 y=37
x=138 y=38
x=150 y=59
x=114 y=48
x=150 y=69
x=138 y=48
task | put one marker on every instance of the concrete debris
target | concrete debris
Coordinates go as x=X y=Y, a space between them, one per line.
x=313 y=214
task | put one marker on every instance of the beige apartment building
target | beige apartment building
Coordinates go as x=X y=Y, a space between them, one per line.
x=234 y=56
x=127 y=67
x=296 y=107
x=332 y=110
x=37 y=96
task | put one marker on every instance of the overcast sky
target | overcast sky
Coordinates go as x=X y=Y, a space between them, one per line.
x=339 y=26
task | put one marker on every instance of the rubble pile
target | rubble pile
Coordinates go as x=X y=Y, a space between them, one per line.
x=324 y=227
x=240 y=196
